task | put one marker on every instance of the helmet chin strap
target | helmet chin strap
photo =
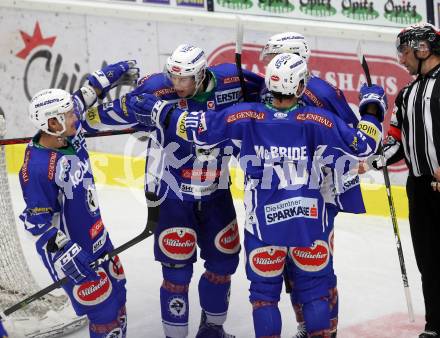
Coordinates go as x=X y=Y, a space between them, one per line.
x=419 y=67
x=58 y=134
x=198 y=86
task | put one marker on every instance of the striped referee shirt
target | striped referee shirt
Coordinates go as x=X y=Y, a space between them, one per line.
x=415 y=124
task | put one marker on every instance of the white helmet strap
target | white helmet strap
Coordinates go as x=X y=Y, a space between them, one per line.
x=61 y=120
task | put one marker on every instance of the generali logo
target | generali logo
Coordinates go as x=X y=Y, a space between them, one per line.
x=342 y=70
x=43 y=60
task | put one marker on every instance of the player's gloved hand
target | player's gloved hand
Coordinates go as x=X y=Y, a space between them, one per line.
x=120 y=73
x=74 y=262
x=374 y=95
x=149 y=110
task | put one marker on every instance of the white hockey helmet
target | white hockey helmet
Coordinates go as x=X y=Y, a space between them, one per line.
x=187 y=60
x=47 y=104
x=288 y=42
x=285 y=73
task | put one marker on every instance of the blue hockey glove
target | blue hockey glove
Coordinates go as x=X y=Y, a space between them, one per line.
x=149 y=110
x=75 y=263
x=374 y=94
x=121 y=73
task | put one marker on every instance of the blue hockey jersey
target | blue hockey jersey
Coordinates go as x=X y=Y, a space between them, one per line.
x=319 y=93
x=177 y=168
x=282 y=154
x=59 y=191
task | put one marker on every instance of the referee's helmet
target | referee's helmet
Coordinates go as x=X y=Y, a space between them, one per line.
x=416 y=36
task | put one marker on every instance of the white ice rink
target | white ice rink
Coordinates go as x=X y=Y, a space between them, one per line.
x=372 y=302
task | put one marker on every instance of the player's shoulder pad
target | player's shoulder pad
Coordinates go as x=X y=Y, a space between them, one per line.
x=310 y=115
x=157 y=84
x=39 y=164
x=225 y=73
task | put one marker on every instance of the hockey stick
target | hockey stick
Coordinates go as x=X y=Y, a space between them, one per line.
x=153 y=217
x=386 y=177
x=21 y=140
x=238 y=49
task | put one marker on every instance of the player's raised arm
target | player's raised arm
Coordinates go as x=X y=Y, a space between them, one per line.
x=107 y=115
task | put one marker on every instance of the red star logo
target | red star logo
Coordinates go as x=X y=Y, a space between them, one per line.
x=31 y=42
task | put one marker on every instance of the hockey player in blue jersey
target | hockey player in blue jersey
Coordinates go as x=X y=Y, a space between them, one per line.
x=283 y=147
x=321 y=94
x=62 y=209
x=193 y=186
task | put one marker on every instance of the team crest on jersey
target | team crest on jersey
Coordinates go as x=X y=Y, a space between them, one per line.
x=314 y=258
x=178 y=243
x=268 y=261
x=182 y=104
x=94 y=292
x=92 y=200
x=116 y=269
x=228 y=239
x=177 y=306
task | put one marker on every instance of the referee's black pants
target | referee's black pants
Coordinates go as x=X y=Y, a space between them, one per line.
x=424 y=220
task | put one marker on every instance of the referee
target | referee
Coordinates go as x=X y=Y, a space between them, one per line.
x=415 y=135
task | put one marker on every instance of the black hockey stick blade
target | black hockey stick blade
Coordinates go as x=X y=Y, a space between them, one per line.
x=364 y=63
x=153 y=216
x=21 y=140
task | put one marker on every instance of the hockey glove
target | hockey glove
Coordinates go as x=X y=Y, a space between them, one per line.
x=74 y=262
x=376 y=95
x=149 y=110
x=121 y=73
